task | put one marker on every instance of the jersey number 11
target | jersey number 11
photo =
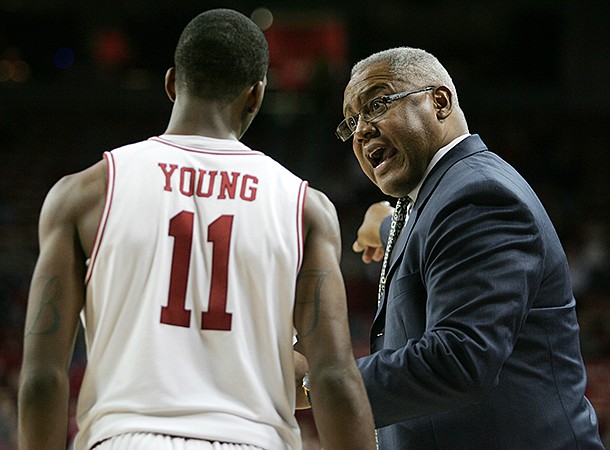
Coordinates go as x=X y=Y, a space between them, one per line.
x=219 y=234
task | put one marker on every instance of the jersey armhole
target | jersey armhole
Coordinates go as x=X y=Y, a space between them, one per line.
x=300 y=222
x=101 y=226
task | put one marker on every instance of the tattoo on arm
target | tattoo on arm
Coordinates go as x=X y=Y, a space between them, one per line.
x=46 y=318
x=314 y=279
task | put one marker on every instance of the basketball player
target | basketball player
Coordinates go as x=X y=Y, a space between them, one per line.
x=185 y=254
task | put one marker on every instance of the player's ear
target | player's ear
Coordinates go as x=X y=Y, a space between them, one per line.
x=170 y=83
x=255 y=96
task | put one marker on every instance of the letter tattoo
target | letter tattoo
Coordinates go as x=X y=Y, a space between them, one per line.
x=311 y=293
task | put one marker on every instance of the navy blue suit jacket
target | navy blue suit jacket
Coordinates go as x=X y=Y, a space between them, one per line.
x=476 y=343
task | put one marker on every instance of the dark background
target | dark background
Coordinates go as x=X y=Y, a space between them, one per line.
x=78 y=78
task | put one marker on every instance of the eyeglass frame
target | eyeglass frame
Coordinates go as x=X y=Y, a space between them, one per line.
x=385 y=101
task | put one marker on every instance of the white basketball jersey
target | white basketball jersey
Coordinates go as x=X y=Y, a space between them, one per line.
x=190 y=294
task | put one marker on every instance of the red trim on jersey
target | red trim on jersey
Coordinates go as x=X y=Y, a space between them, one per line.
x=244 y=151
x=300 y=222
x=101 y=226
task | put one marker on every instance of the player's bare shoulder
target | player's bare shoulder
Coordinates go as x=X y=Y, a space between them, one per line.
x=77 y=200
x=321 y=217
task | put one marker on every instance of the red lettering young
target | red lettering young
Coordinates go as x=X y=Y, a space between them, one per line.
x=248 y=190
x=168 y=175
x=212 y=175
x=187 y=181
x=228 y=186
x=201 y=183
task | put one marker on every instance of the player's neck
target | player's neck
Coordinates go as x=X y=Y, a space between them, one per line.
x=211 y=120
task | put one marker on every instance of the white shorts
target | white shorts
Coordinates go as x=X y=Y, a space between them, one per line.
x=151 y=441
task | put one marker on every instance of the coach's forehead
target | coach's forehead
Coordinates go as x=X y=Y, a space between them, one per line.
x=367 y=82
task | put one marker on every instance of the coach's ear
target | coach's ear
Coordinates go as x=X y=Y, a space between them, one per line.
x=170 y=84
x=443 y=102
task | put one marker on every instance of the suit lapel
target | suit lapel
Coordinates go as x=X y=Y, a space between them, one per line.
x=464 y=149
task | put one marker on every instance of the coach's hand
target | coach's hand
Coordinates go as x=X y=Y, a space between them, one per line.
x=369 y=241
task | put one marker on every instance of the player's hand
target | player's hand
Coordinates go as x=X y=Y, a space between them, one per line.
x=369 y=241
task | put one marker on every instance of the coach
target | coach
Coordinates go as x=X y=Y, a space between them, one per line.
x=475 y=343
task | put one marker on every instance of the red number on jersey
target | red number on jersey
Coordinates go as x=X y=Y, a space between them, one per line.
x=181 y=228
x=217 y=317
x=219 y=234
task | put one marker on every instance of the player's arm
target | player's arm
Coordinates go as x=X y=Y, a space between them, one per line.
x=339 y=401
x=56 y=297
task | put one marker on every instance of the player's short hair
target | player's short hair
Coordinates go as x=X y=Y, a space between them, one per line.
x=220 y=52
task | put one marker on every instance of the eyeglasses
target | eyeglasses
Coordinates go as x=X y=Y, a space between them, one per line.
x=371 y=110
